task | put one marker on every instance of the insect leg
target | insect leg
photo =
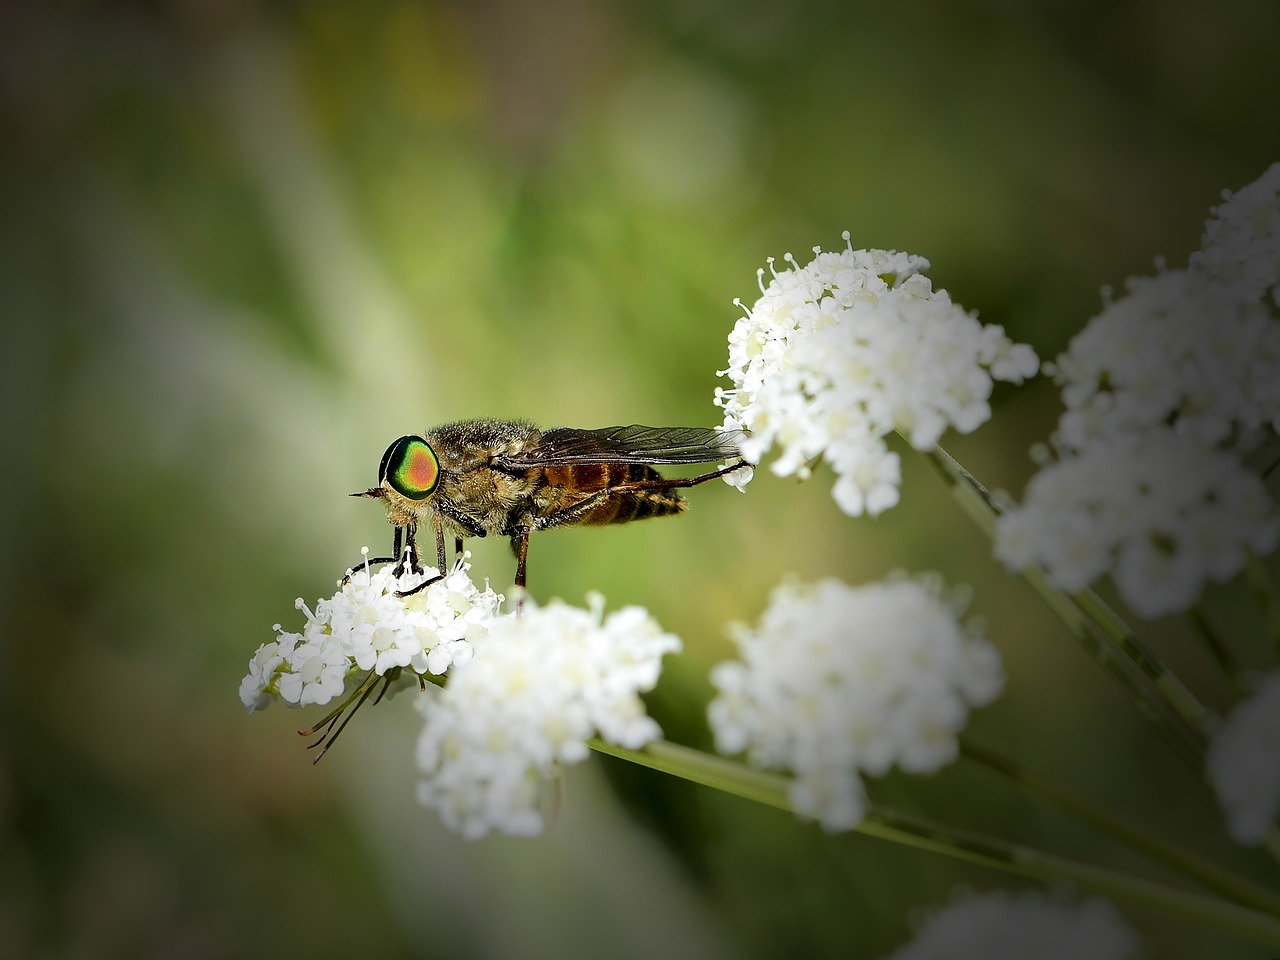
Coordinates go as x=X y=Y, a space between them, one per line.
x=687 y=482
x=588 y=504
x=361 y=562
x=399 y=552
x=439 y=523
x=416 y=566
x=570 y=513
x=411 y=550
x=422 y=586
x=394 y=558
x=457 y=548
x=472 y=526
x=520 y=544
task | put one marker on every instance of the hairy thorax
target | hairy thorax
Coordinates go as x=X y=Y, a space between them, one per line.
x=470 y=485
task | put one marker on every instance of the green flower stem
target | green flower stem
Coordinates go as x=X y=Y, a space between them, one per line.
x=1197 y=868
x=1182 y=699
x=1219 y=915
x=771 y=790
x=1216 y=649
x=1177 y=714
x=1183 y=738
x=710 y=770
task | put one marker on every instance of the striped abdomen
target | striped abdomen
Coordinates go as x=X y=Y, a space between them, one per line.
x=576 y=483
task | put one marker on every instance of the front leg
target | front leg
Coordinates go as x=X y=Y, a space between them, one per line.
x=442 y=510
x=360 y=563
x=439 y=525
x=469 y=524
x=410 y=550
x=394 y=558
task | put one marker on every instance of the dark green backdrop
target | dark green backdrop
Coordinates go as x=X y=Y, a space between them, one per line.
x=244 y=247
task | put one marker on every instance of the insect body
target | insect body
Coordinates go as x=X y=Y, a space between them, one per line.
x=509 y=478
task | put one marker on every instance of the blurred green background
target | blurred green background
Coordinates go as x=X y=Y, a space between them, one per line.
x=245 y=247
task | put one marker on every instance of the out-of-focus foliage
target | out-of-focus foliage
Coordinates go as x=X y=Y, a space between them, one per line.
x=244 y=247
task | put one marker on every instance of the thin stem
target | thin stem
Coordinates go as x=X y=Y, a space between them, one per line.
x=771 y=790
x=1197 y=868
x=1210 y=912
x=719 y=773
x=1178 y=694
x=1177 y=714
x=326 y=742
x=1183 y=738
x=336 y=712
x=1216 y=649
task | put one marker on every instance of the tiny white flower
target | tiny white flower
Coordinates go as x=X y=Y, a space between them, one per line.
x=868 y=477
x=259 y=684
x=1178 y=349
x=837 y=354
x=1241 y=247
x=538 y=685
x=1001 y=926
x=1244 y=764
x=317 y=671
x=838 y=680
x=1162 y=513
x=366 y=627
x=1164 y=391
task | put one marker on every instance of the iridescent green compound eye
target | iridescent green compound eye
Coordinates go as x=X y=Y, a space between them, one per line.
x=411 y=467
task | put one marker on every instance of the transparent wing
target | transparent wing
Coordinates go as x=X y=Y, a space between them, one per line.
x=562 y=446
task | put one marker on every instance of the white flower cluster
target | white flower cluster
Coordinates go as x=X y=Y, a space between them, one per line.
x=839 y=679
x=1244 y=764
x=1177 y=350
x=1241 y=245
x=837 y=354
x=540 y=685
x=365 y=626
x=999 y=926
x=1164 y=390
x=1161 y=513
